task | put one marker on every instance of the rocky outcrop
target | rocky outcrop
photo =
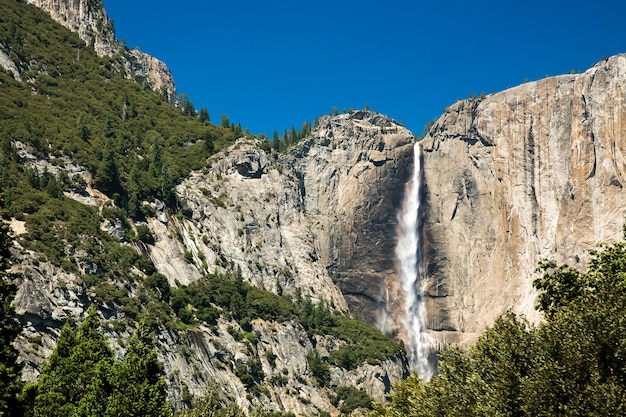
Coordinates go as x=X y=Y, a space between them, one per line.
x=90 y=20
x=353 y=171
x=327 y=210
x=533 y=172
x=8 y=65
x=246 y=214
x=145 y=68
x=85 y=17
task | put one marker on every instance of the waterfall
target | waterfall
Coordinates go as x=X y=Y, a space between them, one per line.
x=409 y=255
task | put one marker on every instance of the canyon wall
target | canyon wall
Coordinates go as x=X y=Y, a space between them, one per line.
x=533 y=172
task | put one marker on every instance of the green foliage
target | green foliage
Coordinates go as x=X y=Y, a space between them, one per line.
x=137 y=381
x=291 y=137
x=318 y=367
x=204 y=115
x=215 y=404
x=558 y=288
x=158 y=282
x=10 y=381
x=250 y=373
x=349 y=399
x=71 y=379
x=81 y=378
x=144 y=234
x=365 y=343
x=227 y=293
x=572 y=364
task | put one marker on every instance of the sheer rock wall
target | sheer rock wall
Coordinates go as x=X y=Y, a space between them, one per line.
x=533 y=172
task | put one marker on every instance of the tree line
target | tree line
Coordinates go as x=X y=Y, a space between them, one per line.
x=571 y=364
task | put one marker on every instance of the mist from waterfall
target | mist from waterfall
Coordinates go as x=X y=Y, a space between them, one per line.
x=409 y=255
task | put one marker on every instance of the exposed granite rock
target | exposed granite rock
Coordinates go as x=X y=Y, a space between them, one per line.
x=326 y=209
x=90 y=20
x=536 y=171
x=143 y=67
x=8 y=65
x=168 y=251
x=353 y=172
x=87 y=18
x=244 y=213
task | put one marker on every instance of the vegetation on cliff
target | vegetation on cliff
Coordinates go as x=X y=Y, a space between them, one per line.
x=572 y=364
x=10 y=380
x=82 y=378
x=72 y=127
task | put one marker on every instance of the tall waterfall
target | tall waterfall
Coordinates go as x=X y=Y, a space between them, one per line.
x=408 y=252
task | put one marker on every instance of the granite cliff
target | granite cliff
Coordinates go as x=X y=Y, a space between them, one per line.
x=533 y=172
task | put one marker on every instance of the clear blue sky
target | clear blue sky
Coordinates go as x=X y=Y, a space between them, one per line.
x=271 y=64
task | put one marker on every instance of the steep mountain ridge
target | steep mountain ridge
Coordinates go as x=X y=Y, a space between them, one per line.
x=90 y=20
x=245 y=213
x=533 y=172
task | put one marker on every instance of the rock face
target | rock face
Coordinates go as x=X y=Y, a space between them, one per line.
x=247 y=213
x=91 y=22
x=325 y=210
x=8 y=65
x=533 y=172
x=353 y=173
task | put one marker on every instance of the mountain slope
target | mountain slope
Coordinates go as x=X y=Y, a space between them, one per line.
x=90 y=163
x=90 y=21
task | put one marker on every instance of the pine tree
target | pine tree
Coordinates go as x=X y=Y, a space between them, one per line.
x=225 y=122
x=10 y=380
x=139 y=387
x=71 y=381
x=107 y=176
x=276 y=142
x=204 y=115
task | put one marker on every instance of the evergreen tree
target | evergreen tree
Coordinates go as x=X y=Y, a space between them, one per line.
x=107 y=176
x=189 y=109
x=72 y=380
x=139 y=387
x=82 y=379
x=204 y=115
x=225 y=122
x=10 y=381
x=276 y=141
x=83 y=131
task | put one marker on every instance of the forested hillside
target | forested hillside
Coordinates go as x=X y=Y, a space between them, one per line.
x=88 y=159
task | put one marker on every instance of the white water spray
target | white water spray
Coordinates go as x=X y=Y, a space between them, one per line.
x=408 y=251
